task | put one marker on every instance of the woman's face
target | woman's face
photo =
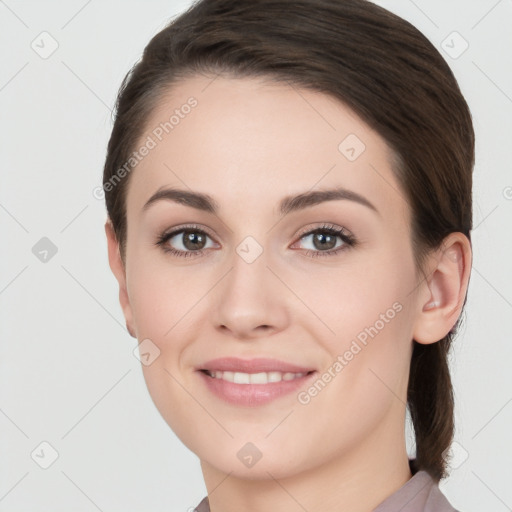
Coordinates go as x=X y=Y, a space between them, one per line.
x=250 y=280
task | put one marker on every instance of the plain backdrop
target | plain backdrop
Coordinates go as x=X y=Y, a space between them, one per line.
x=72 y=394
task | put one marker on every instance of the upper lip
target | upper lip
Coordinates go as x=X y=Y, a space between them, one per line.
x=234 y=364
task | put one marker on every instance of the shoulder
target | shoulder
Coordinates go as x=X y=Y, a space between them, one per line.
x=420 y=493
x=436 y=501
x=204 y=506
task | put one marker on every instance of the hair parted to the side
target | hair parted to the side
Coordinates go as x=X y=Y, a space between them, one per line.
x=388 y=73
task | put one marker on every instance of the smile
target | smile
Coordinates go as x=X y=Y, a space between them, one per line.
x=254 y=389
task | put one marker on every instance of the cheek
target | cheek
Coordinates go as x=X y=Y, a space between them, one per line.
x=163 y=306
x=351 y=298
x=162 y=297
x=368 y=311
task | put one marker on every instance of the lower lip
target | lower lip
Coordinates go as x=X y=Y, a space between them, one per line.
x=253 y=394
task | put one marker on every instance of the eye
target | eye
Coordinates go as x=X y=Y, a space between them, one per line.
x=188 y=241
x=328 y=240
x=185 y=241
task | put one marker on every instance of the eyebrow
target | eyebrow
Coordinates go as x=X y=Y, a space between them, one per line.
x=206 y=203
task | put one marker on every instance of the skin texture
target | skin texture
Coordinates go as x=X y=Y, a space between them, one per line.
x=248 y=144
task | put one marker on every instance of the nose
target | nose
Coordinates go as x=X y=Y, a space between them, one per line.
x=251 y=301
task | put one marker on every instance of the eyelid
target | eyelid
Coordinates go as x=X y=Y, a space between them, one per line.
x=178 y=229
x=324 y=226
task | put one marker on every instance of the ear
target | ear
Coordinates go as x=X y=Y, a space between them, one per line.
x=443 y=292
x=117 y=267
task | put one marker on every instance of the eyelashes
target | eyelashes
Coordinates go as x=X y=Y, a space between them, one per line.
x=189 y=230
x=192 y=234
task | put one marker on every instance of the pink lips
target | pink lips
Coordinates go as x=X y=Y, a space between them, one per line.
x=252 y=394
x=234 y=364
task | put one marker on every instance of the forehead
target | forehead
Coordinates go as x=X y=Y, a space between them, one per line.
x=256 y=141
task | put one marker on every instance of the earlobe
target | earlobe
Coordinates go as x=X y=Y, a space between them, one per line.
x=119 y=271
x=443 y=292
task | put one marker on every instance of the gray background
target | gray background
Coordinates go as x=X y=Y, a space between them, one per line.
x=68 y=374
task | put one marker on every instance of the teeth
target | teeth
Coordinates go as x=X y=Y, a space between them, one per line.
x=255 y=378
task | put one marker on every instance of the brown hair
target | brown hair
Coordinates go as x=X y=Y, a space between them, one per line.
x=388 y=73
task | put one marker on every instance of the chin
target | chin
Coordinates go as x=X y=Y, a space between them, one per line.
x=262 y=470
x=247 y=462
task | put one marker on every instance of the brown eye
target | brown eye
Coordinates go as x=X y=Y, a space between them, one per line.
x=193 y=240
x=328 y=240
x=324 y=241
x=186 y=241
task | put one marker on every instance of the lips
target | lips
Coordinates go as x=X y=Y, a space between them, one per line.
x=254 y=378
x=253 y=382
x=258 y=365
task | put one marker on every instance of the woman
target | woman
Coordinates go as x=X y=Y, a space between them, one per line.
x=288 y=186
